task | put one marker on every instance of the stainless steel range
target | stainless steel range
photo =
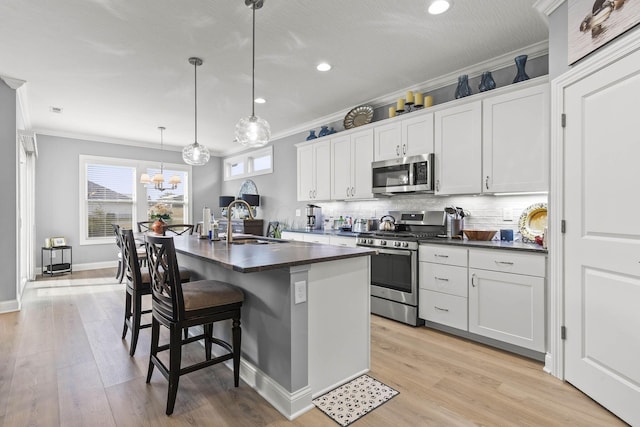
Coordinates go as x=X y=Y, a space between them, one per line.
x=394 y=270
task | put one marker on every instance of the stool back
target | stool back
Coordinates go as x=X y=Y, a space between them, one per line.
x=130 y=258
x=166 y=288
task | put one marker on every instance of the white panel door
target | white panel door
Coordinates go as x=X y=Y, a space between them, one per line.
x=458 y=149
x=602 y=240
x=387 y=141
x=305 y=173
x=417 y=135
x=322 y=168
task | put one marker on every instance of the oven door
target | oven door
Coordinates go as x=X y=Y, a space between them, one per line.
x=394 y=275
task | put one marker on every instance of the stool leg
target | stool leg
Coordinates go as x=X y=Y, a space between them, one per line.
x=175 y=353
x=135 y=329
x=236 y=338
x=208 y=333
x=155 y=336
x=127 y=312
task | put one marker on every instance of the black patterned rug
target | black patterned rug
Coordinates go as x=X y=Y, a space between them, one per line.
x=354 y=399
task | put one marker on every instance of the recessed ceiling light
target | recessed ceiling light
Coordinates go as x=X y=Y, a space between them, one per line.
x=438 y=6
x=323 y=67
x=260 y=100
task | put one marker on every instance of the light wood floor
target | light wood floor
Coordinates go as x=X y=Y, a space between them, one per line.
x=62 y=362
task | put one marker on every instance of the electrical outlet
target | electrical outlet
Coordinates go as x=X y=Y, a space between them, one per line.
x=507 y=214
x=300 y=289
x=297 y=212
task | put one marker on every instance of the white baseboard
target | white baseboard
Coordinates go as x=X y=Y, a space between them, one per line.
x=291 y=405
x=548 y=363
x=9 y=306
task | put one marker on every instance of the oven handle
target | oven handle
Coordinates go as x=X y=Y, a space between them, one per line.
x=394 y=252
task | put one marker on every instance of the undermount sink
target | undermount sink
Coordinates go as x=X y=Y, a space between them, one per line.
x=255 y=241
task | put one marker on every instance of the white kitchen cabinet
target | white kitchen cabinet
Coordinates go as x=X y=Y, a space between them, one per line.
x=351 y=157
x=515 y=151
x=291 y=235
x=442 y=297
x=458 y=149
x=314 y=171
x=349 y=242
x=408 y=137
x=507 y=297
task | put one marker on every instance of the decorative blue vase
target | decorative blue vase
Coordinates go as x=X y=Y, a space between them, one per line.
x=312 y=135
x=324 y=130
x=486 y=82
x=463 y=88
x=332 y=131
x=521 y=75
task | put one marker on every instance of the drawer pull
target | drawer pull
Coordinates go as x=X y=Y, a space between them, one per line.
x=441 y=309
x=441 y=256
x=444 y=279
x=473 y=280
x=504 y=262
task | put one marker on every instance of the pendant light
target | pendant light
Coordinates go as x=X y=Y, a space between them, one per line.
x=253 y=131
x=158 y=179
x=195 y=154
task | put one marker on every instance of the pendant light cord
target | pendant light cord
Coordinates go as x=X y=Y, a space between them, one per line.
x=161 y=149
x=253 y=64
x=195 y=100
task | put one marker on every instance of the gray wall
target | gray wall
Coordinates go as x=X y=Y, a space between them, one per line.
x=8 y=171
x=558 y=46
x=57 y=188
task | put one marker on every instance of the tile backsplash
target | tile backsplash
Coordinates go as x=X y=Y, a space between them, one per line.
x=485 y=212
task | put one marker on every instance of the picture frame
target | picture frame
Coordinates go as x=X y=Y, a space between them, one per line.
x=592 y=24
x=58 y=241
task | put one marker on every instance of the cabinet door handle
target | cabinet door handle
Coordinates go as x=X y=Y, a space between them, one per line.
x=310 y=191
x=473 y=280
x=441 y=309
x=398 y=150
x=444 y=279
x=440 y=256
x=438 y=185
x=404 y=148
x=486 y=182
x=347 y=191
x=353 y=191
x=504 y=262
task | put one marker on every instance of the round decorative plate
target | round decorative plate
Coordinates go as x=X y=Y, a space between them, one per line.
x=533 y=221
x=358 y=116
x=247 y=187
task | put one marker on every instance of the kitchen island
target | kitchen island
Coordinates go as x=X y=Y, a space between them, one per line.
x=305 y=319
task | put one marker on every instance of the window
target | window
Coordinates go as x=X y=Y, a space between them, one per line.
x=110 y=192
x=257 y=162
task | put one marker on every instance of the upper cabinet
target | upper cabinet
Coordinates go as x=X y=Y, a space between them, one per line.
x=515 y=134
x=458 y=149
x=408 y=137
x=314 y=171
x=351 y=157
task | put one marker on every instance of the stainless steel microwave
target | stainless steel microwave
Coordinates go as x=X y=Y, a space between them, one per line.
x=403 y=175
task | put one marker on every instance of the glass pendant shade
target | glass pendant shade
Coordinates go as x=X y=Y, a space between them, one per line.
x=253 y=131
x=195 y=154
x=158 y=178
x=145 y=179
x=175 y=180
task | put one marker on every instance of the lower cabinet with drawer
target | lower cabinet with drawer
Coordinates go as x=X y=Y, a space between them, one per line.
x=507 y=297
x=443 y=286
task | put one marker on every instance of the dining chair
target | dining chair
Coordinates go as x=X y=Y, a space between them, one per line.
x=138 y=285
x=178 y=229
x=119 y=244
x=144 y=226
x=177 y=305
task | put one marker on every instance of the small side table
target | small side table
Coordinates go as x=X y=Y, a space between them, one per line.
x=59 y=267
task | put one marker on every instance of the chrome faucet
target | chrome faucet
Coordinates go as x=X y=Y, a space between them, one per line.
x=229 y=233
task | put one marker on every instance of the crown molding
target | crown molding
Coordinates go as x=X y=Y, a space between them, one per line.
x=546 y=7
x=12 y=82
x=506 y=60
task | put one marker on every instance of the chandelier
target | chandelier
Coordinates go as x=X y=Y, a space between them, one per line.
x=158 y=179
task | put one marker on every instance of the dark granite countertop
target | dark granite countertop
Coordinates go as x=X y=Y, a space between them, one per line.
x=249 y=258
x=492 y=244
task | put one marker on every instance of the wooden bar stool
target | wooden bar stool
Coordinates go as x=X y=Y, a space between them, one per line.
x=138 y=285
x=178 y=305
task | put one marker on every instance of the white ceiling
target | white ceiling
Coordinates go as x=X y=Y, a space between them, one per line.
x=119 y=68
